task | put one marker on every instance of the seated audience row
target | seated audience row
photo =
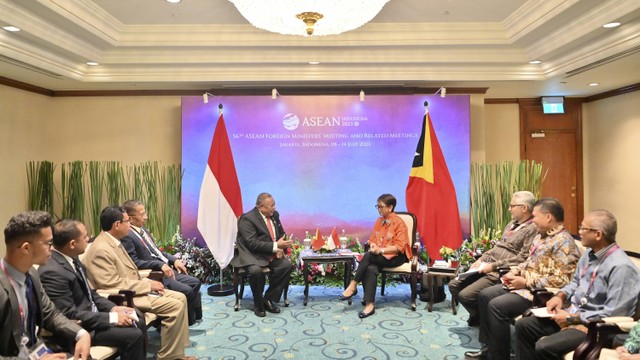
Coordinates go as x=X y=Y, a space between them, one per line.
x=591 y=287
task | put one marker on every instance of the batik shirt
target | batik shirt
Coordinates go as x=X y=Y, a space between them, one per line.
x=551 y=263
x=513 y=247
x=633 y=342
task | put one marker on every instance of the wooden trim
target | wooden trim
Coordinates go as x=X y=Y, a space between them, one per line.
x=24 y=86
x=252 y=91
x=497 y=101
x=612 y=93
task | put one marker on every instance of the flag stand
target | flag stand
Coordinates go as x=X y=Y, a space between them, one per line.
x=220 y=289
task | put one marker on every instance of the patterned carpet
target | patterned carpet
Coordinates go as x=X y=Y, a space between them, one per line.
x=329 y=329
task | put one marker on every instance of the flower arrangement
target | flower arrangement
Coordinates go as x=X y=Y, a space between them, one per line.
x=320 y=274
x=199 y=261
x=471 y=248
x=169 y=245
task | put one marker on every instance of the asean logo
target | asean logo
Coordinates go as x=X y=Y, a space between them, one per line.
x=290 y=121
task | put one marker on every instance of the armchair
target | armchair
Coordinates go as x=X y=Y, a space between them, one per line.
x=409 y=268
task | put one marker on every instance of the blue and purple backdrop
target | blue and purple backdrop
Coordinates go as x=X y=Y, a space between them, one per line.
x=325 y=159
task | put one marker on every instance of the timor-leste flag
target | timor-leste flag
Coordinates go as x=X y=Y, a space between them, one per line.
x=220 y=202
x=431 y=195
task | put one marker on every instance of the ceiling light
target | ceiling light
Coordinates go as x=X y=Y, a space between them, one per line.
x=611 y=25
x=314 y=62
x=11 y=28
x=173 y=1
x=309 y=17
x=594 y=84
x=92 y=63
x=535 y=62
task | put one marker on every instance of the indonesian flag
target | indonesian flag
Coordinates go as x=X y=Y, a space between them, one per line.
x=318 y=242
x=220 y=202
x=334 y=242
x=431 y=196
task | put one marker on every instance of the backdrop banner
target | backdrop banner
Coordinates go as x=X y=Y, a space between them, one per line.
x=325 y=159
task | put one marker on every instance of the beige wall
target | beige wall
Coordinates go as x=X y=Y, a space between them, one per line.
x=37 y=127
x=135 y=129
x=611 y=130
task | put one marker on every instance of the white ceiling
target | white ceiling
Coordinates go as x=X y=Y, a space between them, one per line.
x=207 y=44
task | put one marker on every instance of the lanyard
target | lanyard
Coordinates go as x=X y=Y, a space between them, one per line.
x=15 y=287
x=595 y=271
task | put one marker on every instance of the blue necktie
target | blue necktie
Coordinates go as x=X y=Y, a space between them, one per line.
x=31 y=306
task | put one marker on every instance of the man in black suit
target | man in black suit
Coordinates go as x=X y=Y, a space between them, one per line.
x=142 y=249
x=261 y=243
x=64 y=280
x=23 y=301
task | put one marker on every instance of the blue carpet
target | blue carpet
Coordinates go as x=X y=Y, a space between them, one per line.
x=330 y=329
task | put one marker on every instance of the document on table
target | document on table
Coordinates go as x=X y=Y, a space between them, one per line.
x=541 y=312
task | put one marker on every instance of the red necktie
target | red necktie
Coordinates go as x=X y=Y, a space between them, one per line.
x=273 y=235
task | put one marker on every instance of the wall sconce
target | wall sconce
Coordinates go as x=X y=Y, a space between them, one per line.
x=274 y=93
x=205 y=97
x=361 y=95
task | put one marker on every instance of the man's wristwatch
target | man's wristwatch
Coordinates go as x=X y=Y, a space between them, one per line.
x=573 y=320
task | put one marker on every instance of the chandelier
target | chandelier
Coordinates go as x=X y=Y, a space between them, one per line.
x=309 y=17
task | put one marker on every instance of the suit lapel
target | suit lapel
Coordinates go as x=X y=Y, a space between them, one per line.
x=262 y=223
x=13 y=302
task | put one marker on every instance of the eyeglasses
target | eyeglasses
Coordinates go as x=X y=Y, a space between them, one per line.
x=511 y=206
x=583 y=228
x=45 y=243
x=125 y=221
x=380 y=206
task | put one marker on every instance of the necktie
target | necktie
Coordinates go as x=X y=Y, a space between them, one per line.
x=273 y=235
x=31 y=306
x=151 y=245
x=80 y=272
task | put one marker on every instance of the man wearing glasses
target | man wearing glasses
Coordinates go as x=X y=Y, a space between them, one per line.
x=109 y=267
x=24 y=303
x=551 y=262
x=511 y=250
x=606 y=283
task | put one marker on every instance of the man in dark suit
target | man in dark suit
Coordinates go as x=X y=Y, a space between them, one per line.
x=64 y=280
x=23 y=301
x=260 y=243
x=142 y=249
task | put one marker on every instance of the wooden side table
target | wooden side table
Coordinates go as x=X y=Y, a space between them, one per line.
x=326 y=259
x=441 y=273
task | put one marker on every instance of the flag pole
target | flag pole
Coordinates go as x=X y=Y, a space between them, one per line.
x=220 y=289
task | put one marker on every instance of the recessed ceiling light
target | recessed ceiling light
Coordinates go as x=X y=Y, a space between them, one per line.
x=314 y=62
x=611 y=25
x=11 y=28
x=594 y=84
x=173 y=1
x=444 y=12
x=535 y=62
x=92 y=63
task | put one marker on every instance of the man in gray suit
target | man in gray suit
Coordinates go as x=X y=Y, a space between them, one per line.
x=261 y=243
x=24 y=303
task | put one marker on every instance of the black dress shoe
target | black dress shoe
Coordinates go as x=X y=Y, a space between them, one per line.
x=345 y=298
x=363 y=314
x=270 y=307
x=259 y=312
x=480 y=354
